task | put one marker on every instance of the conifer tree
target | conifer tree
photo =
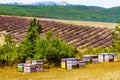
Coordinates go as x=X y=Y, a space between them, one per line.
x=29 y=44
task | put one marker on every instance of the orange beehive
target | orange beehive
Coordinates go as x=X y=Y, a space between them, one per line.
x=28 y=61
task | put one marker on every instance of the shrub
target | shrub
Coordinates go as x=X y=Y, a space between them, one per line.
x=8 y=52
x=116 y=39
x=53 y=49
x=50 y=49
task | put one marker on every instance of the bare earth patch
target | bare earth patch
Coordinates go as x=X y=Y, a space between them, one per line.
x=2 y=37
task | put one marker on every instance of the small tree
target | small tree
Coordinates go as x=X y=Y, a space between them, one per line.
x=116 y=39
x=8 y=52
x=29 y=43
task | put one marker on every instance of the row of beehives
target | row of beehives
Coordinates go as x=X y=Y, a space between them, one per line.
x=70 y=63
x=31 y=66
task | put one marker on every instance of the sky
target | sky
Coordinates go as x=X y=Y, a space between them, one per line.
x=101 y=3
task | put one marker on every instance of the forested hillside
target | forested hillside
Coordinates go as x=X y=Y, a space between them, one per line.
x=85 y=13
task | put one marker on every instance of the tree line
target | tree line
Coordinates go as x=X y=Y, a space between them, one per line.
x=84 y=13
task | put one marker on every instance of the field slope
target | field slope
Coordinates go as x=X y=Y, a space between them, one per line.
x=76 y=35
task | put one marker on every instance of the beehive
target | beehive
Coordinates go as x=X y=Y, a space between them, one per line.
x=63 y=63
x=28 y=62
x=39 y=67
x=69 y=63
x=94 y=59
x=21 y=67
x=38 y=64
x=115 y=56
x=81 y=64
x=90 y=59
x=29 y=68
x=107 y=57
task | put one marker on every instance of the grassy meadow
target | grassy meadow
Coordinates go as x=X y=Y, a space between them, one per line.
x=100 y=71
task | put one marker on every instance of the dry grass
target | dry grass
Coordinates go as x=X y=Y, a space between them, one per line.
x=75 y=22
x=2 y=37
x=85 y=23
x=101 y=71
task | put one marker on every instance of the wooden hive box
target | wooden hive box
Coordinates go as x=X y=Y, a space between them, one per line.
x=107 y=57
x=21 y=67
x=86 y=59
x=81 y=64
x=38 y=64
x=29 y=68
x=28 y=62
x=90 y=59
x=69 y=63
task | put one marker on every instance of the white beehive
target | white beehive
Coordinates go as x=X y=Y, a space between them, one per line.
x=38 y=64
x=90 y=59
x=107 y=57
x=29 y=68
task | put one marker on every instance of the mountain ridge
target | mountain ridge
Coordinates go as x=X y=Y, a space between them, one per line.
x=42 y=3
x=49 y=3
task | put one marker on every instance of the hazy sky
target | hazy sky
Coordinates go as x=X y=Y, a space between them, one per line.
x=102 y=3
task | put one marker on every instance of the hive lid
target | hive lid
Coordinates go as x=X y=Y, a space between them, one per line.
x=38 y=60
x=89 y=55
x=107 y=54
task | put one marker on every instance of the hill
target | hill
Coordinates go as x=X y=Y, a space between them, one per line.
x=76 y=35
x=78 y=12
